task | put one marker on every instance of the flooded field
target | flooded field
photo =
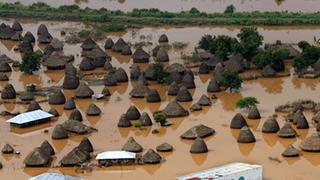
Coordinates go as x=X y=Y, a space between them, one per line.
x=223 y=146
x=203 y=5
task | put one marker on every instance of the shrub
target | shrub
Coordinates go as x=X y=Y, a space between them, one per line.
x=112 y=27
x=160 y=74
x=247 y=102
x=273 y=57
x=84 y=33
x=230 y=9
x=250 y=40
x=231 y=80
x=137 y=125
x=160 y=118
x=30 y=62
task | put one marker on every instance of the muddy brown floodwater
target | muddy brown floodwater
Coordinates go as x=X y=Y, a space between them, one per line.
x=223 y=146
x=183 y=5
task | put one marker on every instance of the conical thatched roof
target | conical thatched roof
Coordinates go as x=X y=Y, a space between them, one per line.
x=98 y=56
x=108 y=44
x=29 y=37
x=70 y=82
x=133 y=113
x=55 y=62
x=246 y=136
x=7 y=149
x=6 y=32
x=153 y=96
x=107 y=66
x=213 y=86
x=162 y=55
x=59 y=132
x=164 y=147
x=163 y=39
x=204 y=100
x=86 y=64
x=54 y=112
x=8 y=92
x=76 y=115
x=85 y=145
x=176 y=67
x=188 y=81
x=291 y=151
x=151 y=157
x=124 y=121
x=174 y=109
x=121 y=75
x=93 y=110
x=126 y=50
x=75 y=157
x=16 y=26
x=198 y=131
x=70 y=104
x=155 y=50
x=300 y=120
x=254 y=113
x=268 y=71
x=199 y=146
x=56 y=97
x=34 y=105
x=83 y=91
x=47 y=148
x=5 y=67
x=119 y=45
x=196 y=107
x=42 y=29
x=204 y=68
x=132 y=146
x=270 y=125
x=17 y=37
x=238 y=121
x=145 y=119
x=218 y=71
x=142 y=80
x=70 y=69
x=311 y=143
x=184 y=95
x=105 y=91
x=173 y=89
x=139 y=91
x=110 y=80
x=287 y=131
x=75 y=127
x=235 y=63
x=140 y=56
x=135 y=72
x=88 y=44
x=37 y=158
x=25 y=46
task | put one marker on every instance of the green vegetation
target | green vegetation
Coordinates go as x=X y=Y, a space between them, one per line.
x=155 y=16
x=160 y=118
x=247 y=102
x=137 y=125
x=273 y=57
x=231 y=80
x=310 y=55
x=30 y=62
x=230 y=9
x=160 y=74
x=250 y=40
x=87 y=33
x=111 y=27
x=221 y=45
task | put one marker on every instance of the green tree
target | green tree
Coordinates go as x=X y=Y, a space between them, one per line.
x=230 y=9
x=250 y=40
x=231 y=80
x=310 y=55
x=160 y=118
x=30 y=62
x=206 y=42
x=160 y=74
x=247 y=102
x=194 y=11
x=273 y=57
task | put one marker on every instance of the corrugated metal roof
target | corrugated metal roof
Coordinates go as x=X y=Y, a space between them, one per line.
x=29 y=117
x=116 y=155
x=54 y=176
x=217 y=172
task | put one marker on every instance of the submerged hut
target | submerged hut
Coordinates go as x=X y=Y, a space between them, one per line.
x=110 y=158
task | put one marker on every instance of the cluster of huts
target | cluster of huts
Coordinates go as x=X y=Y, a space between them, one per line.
x=180 y=81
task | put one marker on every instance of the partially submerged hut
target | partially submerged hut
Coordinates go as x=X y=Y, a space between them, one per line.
x=30 y=118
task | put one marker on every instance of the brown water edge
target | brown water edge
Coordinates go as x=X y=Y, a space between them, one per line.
x=223 y=147
x=180 y=5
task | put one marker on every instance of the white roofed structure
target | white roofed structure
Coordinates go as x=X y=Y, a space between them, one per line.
x=236 y=171
x=54 y=176
x=30 y=118
x=116 y=155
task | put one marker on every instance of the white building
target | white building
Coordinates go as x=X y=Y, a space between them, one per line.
x=30 y=118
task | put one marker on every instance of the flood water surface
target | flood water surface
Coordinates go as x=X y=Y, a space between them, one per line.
x=223 y=146
x=185 y=5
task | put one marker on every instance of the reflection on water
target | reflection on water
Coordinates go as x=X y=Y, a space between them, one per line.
x=184 y=5
x=223 y=147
